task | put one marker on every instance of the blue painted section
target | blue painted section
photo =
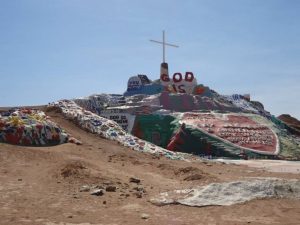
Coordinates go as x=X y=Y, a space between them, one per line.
x=149 y=89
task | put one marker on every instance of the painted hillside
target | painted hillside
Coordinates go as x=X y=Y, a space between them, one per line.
x=198 y=121
x=168 y=117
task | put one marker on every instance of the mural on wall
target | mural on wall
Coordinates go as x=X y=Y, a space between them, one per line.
x=241 y=102
x=202 y=90
x=96 y=103
x=140 y=84
x=179 y=103
x=31 y=128
x=134 y=83
x=237 y=129
x=157 y=129
x=120 y=116
x=184 y=83
x=189 y=140
x=109 y=129
x=186 y=102
x=179 y=83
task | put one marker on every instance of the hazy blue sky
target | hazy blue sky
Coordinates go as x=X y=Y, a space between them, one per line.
x=70 y=48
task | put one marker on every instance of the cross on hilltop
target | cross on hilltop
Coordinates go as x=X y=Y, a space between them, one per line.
x=164 y=44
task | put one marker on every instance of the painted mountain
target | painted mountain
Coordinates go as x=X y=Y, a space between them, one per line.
x=166 y=116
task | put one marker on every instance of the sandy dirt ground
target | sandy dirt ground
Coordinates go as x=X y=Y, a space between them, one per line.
x=280 y=166
x=41 y=185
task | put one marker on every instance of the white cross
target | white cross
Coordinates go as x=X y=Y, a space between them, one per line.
x=164 y=44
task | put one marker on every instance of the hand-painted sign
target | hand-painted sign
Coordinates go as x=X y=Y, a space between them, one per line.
x=125 y=120
x=237 y=129
x=140 y=84
x=134 y=83
x=179 y=83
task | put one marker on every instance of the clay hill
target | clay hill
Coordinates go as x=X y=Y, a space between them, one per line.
x=167 y=151
x=292 y=122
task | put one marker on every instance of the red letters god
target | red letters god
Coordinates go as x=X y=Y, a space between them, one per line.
x=179 y=83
